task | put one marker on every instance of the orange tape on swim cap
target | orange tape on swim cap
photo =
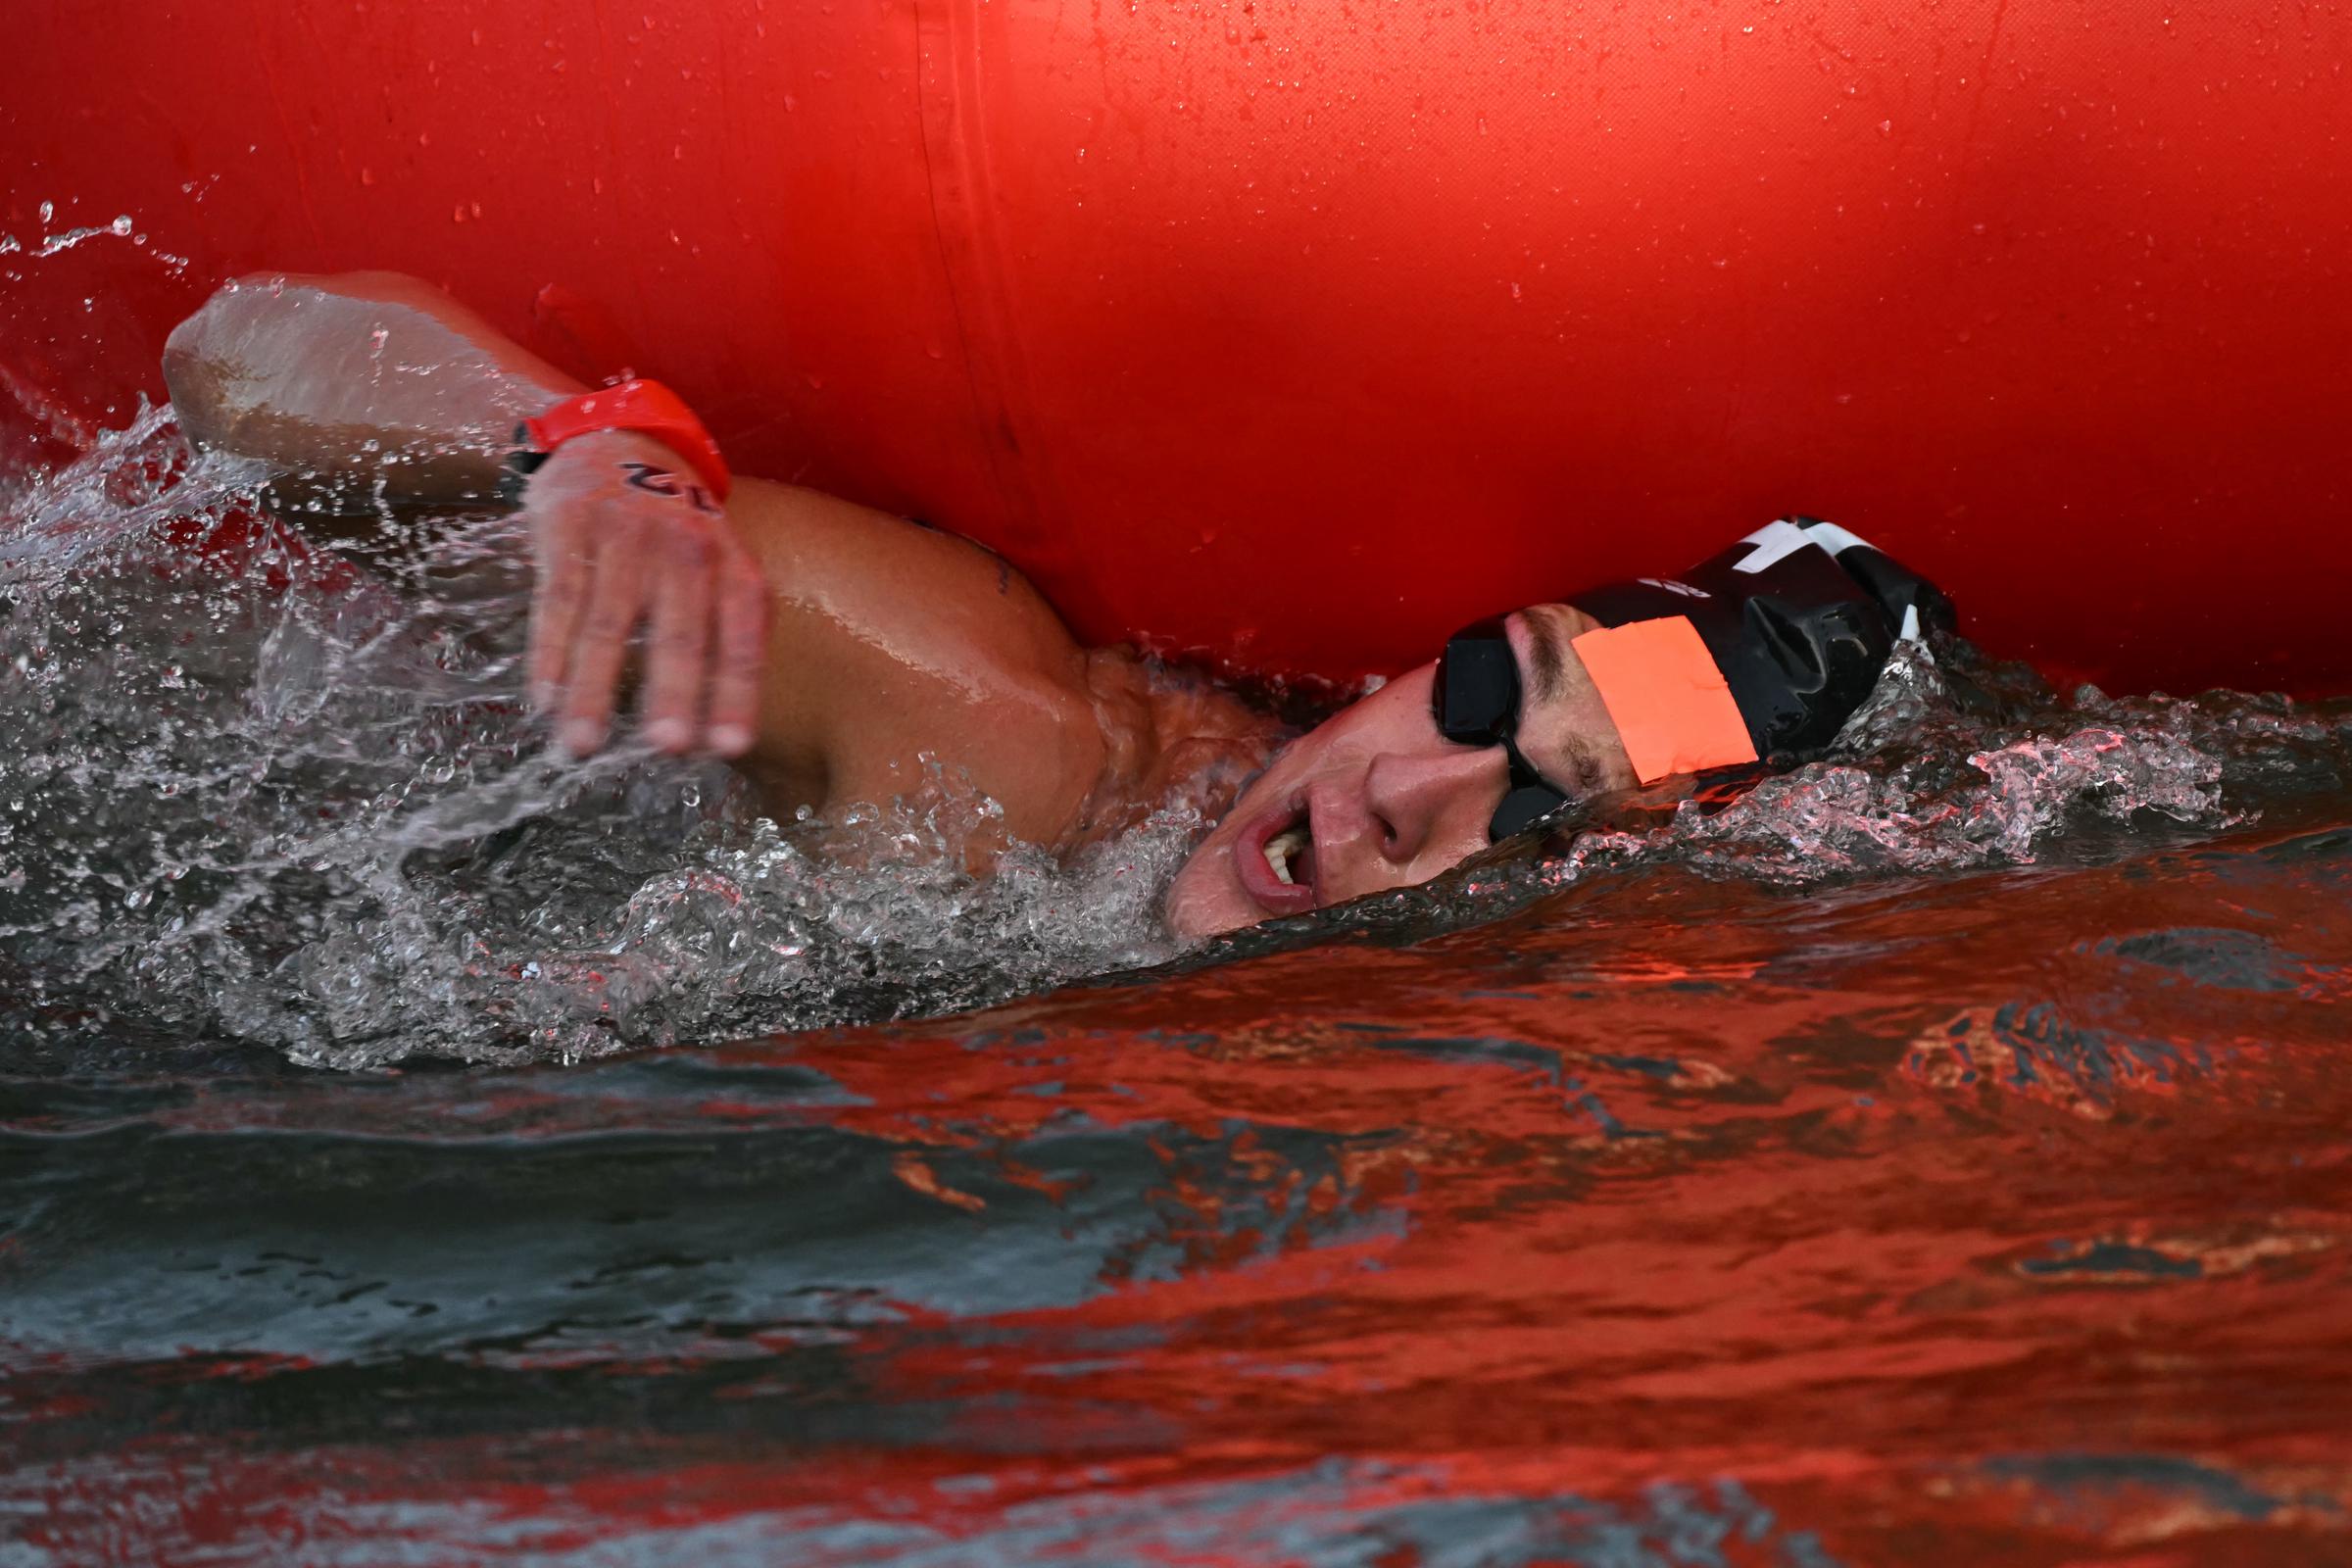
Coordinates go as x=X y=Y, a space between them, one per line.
x=1673 y=710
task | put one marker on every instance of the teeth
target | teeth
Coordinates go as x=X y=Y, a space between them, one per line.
x=1279 y=850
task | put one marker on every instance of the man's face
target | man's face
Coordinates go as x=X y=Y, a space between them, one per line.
x=1375 y=798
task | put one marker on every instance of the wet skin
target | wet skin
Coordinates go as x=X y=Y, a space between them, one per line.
x=831 y=651
x=1386 y=801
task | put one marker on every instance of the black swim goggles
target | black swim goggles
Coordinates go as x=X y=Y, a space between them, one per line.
x=1475 y=701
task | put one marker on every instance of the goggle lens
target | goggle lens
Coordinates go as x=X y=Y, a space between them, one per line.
x=1477 y=694
x=1475 y=702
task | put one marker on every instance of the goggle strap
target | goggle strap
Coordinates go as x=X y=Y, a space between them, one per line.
x=1520 y=811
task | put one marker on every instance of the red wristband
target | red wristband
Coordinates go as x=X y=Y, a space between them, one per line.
x=645 y=407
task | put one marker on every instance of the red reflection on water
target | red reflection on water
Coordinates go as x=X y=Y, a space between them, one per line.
x=2000 y=1219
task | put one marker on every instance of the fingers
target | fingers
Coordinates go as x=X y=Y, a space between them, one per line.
x=559 y=539
x=677 y=637
x=615 y=598
x=738 y=658
x=609 y=561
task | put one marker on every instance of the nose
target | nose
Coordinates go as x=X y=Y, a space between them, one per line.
x=1422 y=799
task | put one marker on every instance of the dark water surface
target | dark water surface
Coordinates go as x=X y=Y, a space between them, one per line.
x=2002 y=1218
x=1942 y=1155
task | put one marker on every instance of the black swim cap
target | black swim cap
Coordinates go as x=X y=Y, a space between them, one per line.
x=1798 y=618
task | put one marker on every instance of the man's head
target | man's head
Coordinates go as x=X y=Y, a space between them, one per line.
x=1376 y=798
x=1754 y=658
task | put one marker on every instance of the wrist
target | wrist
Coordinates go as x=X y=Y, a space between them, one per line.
x=624 y=463
x=646 y=407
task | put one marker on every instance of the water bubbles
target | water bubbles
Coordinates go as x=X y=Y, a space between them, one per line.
x=243 y=796
x=1942 y=772
x=121 y=227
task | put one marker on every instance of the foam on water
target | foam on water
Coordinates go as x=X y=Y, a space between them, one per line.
x=250 y=791
x=253 y=791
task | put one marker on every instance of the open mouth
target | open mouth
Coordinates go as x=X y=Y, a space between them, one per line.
x=1276 y=860
x=1290 y=853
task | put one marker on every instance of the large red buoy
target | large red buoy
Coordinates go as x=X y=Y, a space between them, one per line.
x=1299 y=330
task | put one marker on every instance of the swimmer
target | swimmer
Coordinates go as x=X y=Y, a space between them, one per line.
x=824 y=648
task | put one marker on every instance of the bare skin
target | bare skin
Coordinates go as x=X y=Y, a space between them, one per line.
x=826 y=648
x=1386 y=801
x=821 y=646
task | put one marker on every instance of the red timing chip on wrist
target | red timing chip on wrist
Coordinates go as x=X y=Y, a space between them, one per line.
x=645 y=407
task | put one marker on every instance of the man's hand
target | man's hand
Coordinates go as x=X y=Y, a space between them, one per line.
x=624 y=535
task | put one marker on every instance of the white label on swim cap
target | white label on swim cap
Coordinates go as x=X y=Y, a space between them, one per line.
x=1910 y=631
x=1775 y=542
x=1835 y=539
x=1673 y=587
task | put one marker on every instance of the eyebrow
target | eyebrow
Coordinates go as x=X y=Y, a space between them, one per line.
x=1550 y=652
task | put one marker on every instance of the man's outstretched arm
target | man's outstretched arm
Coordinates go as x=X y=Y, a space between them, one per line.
x=883 y=643
x=369 y=390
